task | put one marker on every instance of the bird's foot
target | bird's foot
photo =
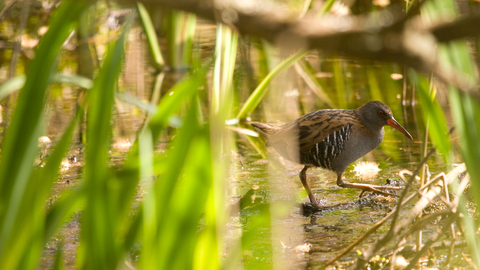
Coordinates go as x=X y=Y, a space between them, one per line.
x=316 y=205
x=311 y=208
x=372 y=188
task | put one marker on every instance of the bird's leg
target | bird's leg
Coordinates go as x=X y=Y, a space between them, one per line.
x=365 y=187
x=303 y=178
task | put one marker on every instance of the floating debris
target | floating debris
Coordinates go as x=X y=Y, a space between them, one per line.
x=396 y=76
x=122 y=145
x=44 y=141
x=65 y=165
x=305 y=248
x=366 y=170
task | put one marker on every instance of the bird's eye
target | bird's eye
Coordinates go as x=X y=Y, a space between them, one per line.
x=381 y=113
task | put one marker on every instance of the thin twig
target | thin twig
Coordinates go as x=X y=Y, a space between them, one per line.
x=396 y=229
x=424 y=220
x=419 y=254
x=7 y=8
x=409 y=184
x=378 y=224
x=18 y=40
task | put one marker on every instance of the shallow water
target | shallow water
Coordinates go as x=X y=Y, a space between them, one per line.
x=260 y=188
x=292 y=238
x=301 y=239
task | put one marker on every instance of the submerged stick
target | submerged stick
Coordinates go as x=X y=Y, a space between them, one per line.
x=379 y=223
x=417 y=208
x=395 y=211
x=429 y=243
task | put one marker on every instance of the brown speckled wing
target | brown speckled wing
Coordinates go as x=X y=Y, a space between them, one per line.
x=323 y=136
x=317 y=126
x=314 y=139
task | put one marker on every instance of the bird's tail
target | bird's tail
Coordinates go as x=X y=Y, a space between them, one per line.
x=265 y=129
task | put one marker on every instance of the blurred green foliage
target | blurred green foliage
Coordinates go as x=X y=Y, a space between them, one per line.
x=180 y=222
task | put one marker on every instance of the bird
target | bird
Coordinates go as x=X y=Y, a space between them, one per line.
x=332 y=139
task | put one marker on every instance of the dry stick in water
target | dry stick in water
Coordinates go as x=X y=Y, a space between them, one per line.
x=407 y=218
x=419 y=254
x=460 y=189
x=408 y=185
x=383 y=220
x=418 y=226
x=395 y=211
x=425 y=220
x=380 y=222
x=452 y=227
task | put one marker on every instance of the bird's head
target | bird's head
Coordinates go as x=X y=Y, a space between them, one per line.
x=376 y=114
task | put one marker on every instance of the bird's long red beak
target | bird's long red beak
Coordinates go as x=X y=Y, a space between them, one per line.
x=393 y=123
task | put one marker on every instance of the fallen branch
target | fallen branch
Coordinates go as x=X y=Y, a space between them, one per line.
x=380 y=222
x=390 y=35
x=397 y=228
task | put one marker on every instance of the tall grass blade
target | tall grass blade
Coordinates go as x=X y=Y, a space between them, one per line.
x=58 y=264
x=181 y=27
x=63 y=208
x=210 y=242
x=102 y=223
x=465 y=111
x=189 y=32
x=257 y=95
x=189 y=201
x=262 y=60
x=433 y=113
x=19 y=147
x=327 y=6
x=171 y=208
x=314 y=84
x=373 y=85
x=11 y=86
x=134 y=166
x=151 y=35
x=18 y=82
x=40 y=183
x=175 y=99
x=340 y=88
